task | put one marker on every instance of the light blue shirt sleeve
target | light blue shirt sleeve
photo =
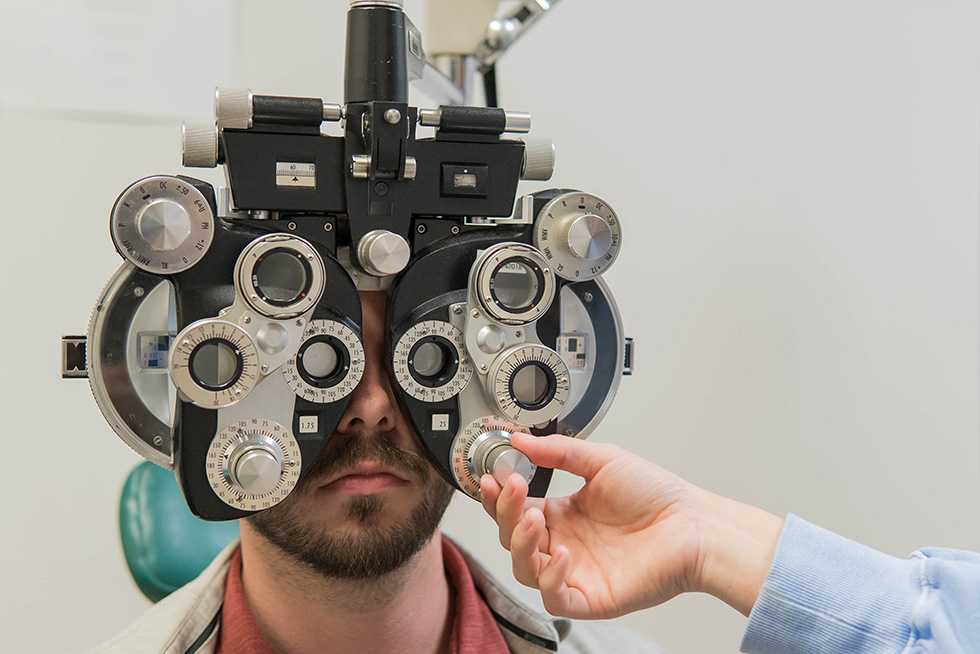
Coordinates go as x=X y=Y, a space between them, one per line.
x=825 y=593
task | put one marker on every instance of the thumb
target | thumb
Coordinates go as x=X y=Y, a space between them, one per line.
x=565 y=453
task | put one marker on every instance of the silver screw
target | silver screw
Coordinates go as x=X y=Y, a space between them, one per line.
x=392 y=116
x=587 y=297
x=186 y=342
x=291 y=226
x=519 y=334
x=247 y=319
x=158 y=440
x=455 y=229
x=569 y=432
x=483 y=367
x=265 y=367
x=476 y=313
x=457 y=309
x=421 y=229
x=328 y=227
x=238 y=391
x=138 y=291
x=299 y=323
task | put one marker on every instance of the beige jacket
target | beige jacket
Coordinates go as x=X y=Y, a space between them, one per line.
x=187 y=621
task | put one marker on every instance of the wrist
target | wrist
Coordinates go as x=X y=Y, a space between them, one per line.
x=736 y=548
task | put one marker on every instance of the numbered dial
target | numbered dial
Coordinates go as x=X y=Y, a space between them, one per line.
x=214 y=363
x=162 y=224
x=579 y=234
x=328 y=365
x=464 y=447
x=253 y=464
x=528 y=384
x=430 y=361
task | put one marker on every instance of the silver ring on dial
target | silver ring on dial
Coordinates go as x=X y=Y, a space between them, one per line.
x=580 y=234
x=218 y=332
x=453 y=375
x=222 y=446
x=514 y=259
x=463 y=446
x=337 y=385
x=295 y=249
x=500 y=381
x=162 y=224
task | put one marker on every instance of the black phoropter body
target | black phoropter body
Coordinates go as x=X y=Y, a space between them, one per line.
x=228 y=344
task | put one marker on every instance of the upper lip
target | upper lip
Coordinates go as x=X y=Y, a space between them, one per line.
x=366 y=468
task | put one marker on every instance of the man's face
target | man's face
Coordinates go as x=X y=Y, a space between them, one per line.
x=372 y=500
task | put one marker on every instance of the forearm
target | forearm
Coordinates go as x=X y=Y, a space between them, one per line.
x=736 y=549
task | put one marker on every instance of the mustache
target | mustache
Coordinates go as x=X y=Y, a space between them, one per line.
x=347 y=452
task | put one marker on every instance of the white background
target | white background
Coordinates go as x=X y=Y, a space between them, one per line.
x=798 y=185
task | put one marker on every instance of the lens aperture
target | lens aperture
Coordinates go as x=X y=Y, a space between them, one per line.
x=281 y=277
x=215 y=364
x=320 y=360
x=516 y=284
x=532 y=385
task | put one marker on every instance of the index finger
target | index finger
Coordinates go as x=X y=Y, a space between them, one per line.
x=565 y=453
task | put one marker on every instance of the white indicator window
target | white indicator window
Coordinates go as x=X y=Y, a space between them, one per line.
x=574 y=350
x=464 y=180
x=154 y=349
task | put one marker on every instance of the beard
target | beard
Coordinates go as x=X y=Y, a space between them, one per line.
x=371 y=551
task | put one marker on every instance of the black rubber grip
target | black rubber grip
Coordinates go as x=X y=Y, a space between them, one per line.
x=472 y=120
x=276 y=110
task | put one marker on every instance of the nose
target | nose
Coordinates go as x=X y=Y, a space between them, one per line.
x=372 y=405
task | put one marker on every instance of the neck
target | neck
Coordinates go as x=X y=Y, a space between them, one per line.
x=299 y=610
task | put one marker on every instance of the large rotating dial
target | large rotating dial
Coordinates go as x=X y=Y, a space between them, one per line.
x=483 y=447
x=529 y=384
x=328 y=365
x=430 y=361
x=253 y=464
x=162 y=224
x=214 y=363
x=579 y=233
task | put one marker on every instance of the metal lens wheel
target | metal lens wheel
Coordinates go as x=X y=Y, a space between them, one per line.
x=214 y=363
x=430 y=361
x=529 y=384
x=328 y=365
x=514 y=283
x=280 y=275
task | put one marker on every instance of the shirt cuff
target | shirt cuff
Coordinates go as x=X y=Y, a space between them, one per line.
x=825 y=593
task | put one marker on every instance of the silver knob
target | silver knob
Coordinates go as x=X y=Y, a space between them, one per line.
x=539 y=159
x=492 y=453
x=233 y=108
x=163 y=225
x=198 y=145
x=588 y=237
x=381 y=253
x=254 y=465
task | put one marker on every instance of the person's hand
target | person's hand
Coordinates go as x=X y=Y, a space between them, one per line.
x=633 y=536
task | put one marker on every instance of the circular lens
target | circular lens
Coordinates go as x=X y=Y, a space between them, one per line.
x=515 y=284
x=429 y=359
x=320 y=360
x=433 y=361
x=215 y=364
x=323 y=361
x=281 y=277
x=532 y=385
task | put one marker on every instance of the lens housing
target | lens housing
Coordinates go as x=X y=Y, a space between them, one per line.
x=280 y=275
x=514 y=283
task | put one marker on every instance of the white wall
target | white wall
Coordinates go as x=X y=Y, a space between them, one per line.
x=799 y=187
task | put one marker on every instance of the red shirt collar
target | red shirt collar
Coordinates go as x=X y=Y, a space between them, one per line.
x=474 y=629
